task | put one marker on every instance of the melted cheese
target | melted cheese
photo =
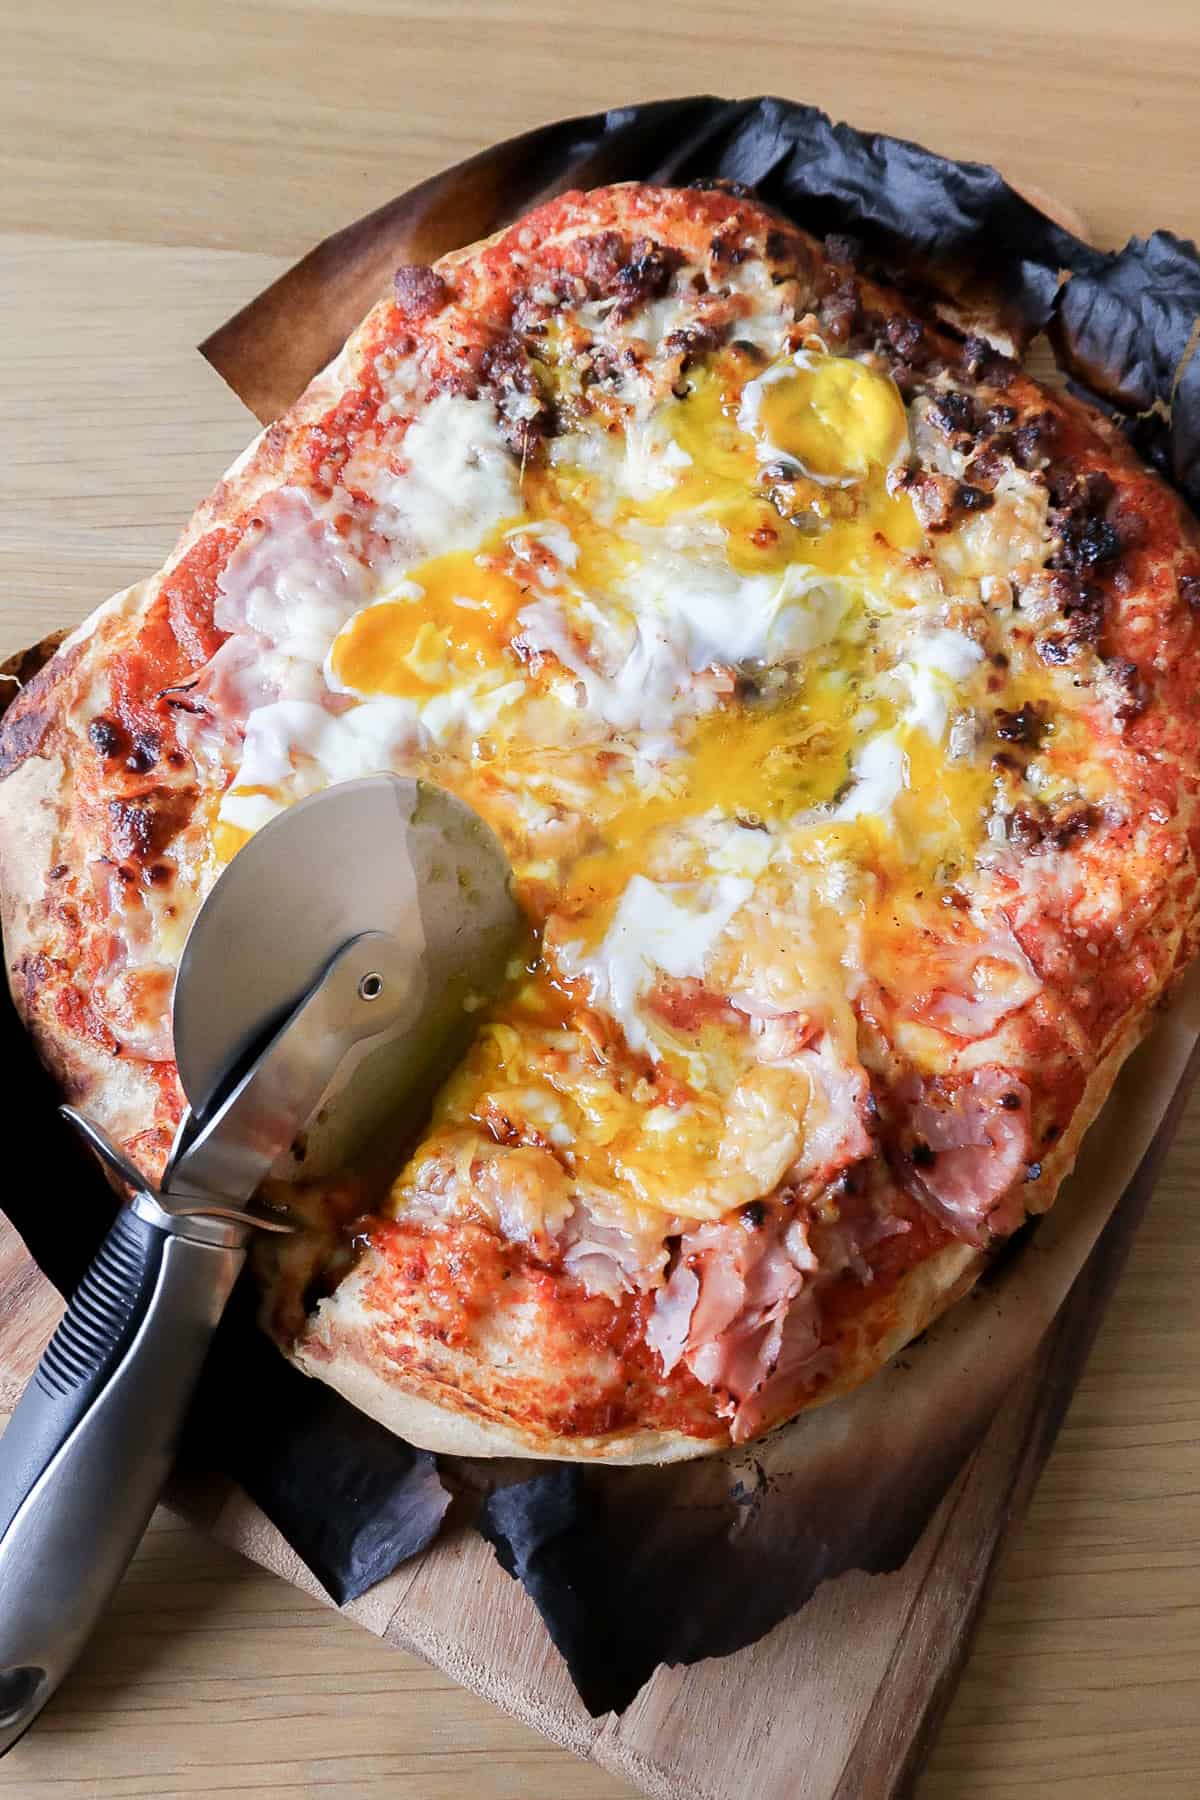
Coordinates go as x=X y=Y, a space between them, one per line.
x=457 y=482
x=668 y=929
x=698 y=666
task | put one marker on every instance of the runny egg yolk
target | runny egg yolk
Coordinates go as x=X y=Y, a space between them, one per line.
x=842 y=425
x=834 y=416
x=834 y=426
x=760 y=764
x=455 y=620
x=765 y=759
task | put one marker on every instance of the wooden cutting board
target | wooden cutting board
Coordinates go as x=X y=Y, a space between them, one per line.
x=835 y=1703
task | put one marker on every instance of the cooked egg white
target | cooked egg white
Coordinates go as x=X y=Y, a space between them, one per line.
x=700 y=673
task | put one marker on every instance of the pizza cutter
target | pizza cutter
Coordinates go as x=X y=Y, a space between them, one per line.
x=327 y=981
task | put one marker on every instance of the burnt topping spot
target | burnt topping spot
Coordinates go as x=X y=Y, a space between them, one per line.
x=1034 y=828
x=953 y=412
x=506 y=365
x=973 y=499
x=1134 y=693
x=646 y=276
x=1080 y=605
x=141 y=828
x=982 y=362
x=998 y=418
x=1033 y=440
x=985 y=469
x=906 y=336
x=932 y=496
x=728 y=249
x=1025 y=726
x=787 y=248
x=694 y=340
x=106 y=737
x=1087 y=538
x=147 y=747
x=1094 y=542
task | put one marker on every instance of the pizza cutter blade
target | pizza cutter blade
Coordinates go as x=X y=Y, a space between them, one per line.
x=336 y=961
x=377 y=859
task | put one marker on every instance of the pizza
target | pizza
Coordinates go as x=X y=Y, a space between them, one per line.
x=831 y=685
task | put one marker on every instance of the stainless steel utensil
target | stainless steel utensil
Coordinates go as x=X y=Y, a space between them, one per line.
x=326 y=980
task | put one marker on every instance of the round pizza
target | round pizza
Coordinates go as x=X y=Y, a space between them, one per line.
x=831 y=686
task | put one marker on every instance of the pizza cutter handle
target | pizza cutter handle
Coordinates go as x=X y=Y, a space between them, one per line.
x=87 y=1450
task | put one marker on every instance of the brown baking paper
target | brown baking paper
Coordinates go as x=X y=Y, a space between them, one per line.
x=633 y=1568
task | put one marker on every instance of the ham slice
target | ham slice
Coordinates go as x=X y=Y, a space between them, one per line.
x=984 y=982
x=670 y=1322
x=835 y=1126
x=798 y=1359
x=735 y=1310
x=969 y=1146
x=609 y=1260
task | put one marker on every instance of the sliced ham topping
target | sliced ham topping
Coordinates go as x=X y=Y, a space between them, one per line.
x=291 y=555
x=670 y=1322
x=237 y=681
x=742 y=1306
x=798 y=1359
x=864 y=1217
x=969 y=1148
x=727 y=1306
x=835 y=1126
x=609 y=1260
x=983 y=983
x=527 y=1192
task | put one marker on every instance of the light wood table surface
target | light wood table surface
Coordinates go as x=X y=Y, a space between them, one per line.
x=161 y=162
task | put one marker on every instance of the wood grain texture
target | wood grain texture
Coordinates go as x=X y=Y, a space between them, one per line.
x=161 y=165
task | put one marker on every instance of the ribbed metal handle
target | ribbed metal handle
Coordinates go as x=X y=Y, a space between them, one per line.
x=91 y=1442
x=102 y=1310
